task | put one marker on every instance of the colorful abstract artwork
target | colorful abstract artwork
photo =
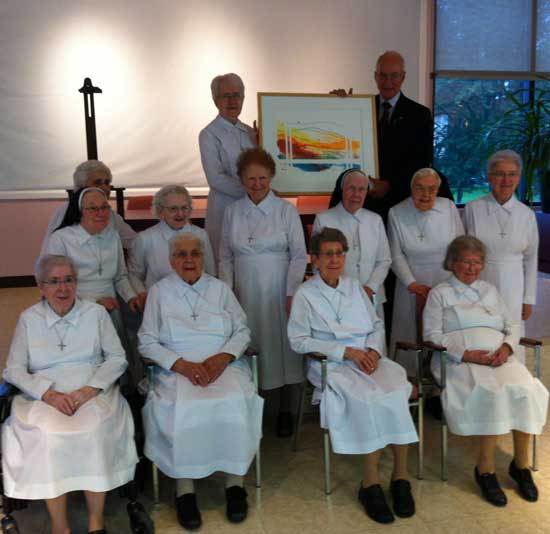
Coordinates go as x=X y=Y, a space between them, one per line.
x=313 y=138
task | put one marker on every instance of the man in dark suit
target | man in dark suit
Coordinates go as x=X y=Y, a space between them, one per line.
x=405 y=138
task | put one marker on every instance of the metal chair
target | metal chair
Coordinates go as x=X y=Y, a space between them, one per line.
x=426 y=350
x=249 y=353
x=415 y=404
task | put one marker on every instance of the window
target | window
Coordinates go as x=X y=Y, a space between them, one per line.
x=492 y=62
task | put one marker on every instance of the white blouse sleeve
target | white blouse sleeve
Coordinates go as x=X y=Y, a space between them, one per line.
x=216 y=176
x=114 y=357
x=240 y=336
x=125 y=231
x=122 y=283
x=300 y=332
x=297 y=251
x=17 y=368
x=399 y=261
x=226 y=267
x=136 y=264
x=432 y=320
x=55 y=245
x=456 y=221
x=209 y=261
x=383 y=260
x=531 y=263
x=149 y=334
x=512 y=329
x=376 y=340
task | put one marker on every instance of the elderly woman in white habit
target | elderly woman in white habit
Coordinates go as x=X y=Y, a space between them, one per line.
x=92 y=173
x=69 y=428
x=220 y=144
x=202 y=414
x=365 y=403
x=95 y=248
x=368 y=258
x=149 y=260
x=489 y=392
x=419 y=229
x=263 y=256
x=509 y=230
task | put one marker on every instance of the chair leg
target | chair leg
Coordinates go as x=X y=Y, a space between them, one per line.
x=535 y=466
x=326 y=450
x=420 y=472
x=258 y=469
x=300 y=415
x=443 y=449
x=156 y=489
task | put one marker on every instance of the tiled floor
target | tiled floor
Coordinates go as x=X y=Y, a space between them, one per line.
x=292 y=500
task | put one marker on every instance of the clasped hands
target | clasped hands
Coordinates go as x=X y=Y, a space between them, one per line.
x=69 y=403
x=136 y=304
x=204 y=373
x=485 y=357
x=367 y=360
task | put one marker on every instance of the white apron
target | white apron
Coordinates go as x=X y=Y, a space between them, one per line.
x=51 y=453
x=485 y=400
x=192 y=431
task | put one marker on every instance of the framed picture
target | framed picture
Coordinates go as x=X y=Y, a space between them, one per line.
x=314 y=137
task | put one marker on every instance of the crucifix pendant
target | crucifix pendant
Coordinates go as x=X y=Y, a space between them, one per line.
x=421 y=236
x=61 y=345
x=502 y=234
x=194 y=316
x=338 y=319
x=250 y=238
x=100 y=270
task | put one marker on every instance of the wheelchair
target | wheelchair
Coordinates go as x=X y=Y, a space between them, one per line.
x=140 y=522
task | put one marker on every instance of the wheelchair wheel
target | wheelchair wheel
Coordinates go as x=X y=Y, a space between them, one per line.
x=9 y=525
x=140 y=522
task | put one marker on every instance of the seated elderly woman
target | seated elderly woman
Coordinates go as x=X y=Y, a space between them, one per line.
x=69 y=429
x=92 y=173
x=148 y=260
x=365 y=404
x=488 y=392
x=202 y=414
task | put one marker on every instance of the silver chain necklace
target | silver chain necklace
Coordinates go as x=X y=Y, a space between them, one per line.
x=502 y=227
x=194 y=315
x=336 y=312
x=60 y=338
x=421 y=229
x=98 y=256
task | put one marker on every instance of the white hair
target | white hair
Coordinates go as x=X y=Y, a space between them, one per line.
x=46 y=263
x=390 y=54
x=229 y=77
x=83 y=171
x=170 y=189
x=504 y=155
x=183 y=236
x=427 y=171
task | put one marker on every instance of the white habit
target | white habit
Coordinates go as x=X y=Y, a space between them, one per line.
x=149 y=259
x=46 y=453
x=220 y=144
x=418 y=243
x=368 y=258
x=480 y=399
x=511 y=236
x=363 y=412
x=263 y=257
x=116 y=222
x=192 y=431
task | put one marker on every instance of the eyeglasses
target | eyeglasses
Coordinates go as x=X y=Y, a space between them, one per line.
x=227 y=96
x=471 y=263
x=56 y=282
x=331 y=254
x=502 y=174
x=421 y=189
x=173 y=210
x=183 y=255
x=97 y=209
x=100 y=182
x=393 y=76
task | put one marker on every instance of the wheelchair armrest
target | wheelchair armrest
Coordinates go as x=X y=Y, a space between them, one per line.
x=317 y=356
x=433 y=346
x=251 y=351
x=406 y=345
x=529 y=342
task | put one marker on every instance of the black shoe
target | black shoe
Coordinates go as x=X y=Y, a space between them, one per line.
x=285 y=424
x=189 y=515
x=403 y=502
x=490 y=488
x=237 y=507
x=526 y=486
x=374 y=503
x=102 y=531
x=433 y=407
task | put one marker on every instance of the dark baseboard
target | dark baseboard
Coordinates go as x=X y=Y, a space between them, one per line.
x=17 y=281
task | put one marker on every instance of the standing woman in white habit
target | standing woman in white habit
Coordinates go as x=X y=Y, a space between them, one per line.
x=263 y=258
x=509 y=230
x=419 y=229
x=368 y=258
x=220 y=144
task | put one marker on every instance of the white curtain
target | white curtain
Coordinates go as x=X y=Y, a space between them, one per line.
x=154 y=61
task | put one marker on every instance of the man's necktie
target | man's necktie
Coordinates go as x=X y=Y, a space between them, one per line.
x=385 y=119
